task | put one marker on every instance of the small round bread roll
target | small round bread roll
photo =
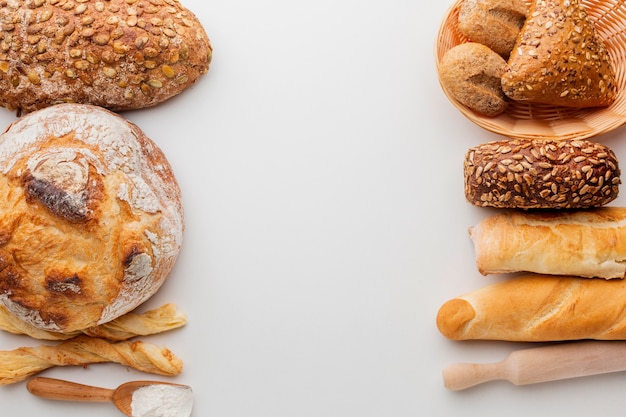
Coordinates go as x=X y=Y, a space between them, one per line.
x=91 y=219
x=541 y=174
x=471 y=73
x=494 y=23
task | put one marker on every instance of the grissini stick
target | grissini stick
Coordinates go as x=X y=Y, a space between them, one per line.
x=542 y=364
x=164 y=318
x=21 y=363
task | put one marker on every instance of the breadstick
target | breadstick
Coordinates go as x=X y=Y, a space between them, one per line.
x=21 y=363
x=130 y=325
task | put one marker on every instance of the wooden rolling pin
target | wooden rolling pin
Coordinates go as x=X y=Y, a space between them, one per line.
x=542 y=364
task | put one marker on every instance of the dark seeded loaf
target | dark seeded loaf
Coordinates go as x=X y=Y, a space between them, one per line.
x=541 y=174
x=117 y=54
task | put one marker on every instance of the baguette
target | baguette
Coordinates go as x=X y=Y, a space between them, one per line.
x=559 y=59
x=585 y=243
x=538 y=308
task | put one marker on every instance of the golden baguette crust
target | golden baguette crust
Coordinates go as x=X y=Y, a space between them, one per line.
x=538 y=308
x=585 y=243
x=117 y=54
x=559 y=59
x=541 y=174
x=91 y=218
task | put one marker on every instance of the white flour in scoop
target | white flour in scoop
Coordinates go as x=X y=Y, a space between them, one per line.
x=161 y=400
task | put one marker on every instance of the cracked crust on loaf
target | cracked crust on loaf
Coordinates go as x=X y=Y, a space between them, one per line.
x=91 y=223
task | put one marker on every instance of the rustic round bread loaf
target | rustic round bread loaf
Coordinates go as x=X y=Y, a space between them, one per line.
x=471 y=73
x=541 y=174
x=118 y=54
x=91 y=218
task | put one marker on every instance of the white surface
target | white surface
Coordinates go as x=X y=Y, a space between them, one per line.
x=321 y=167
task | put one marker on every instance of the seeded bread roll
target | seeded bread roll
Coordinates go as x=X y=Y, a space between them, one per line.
x=587 y=243
x=117 y=54
x=471 y=73
x=538 y=308
x=91 y=218
x=494 y=23
x=559 y=59
x=541 y=174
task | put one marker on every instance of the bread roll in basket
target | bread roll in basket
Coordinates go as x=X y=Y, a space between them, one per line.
x=91 y=219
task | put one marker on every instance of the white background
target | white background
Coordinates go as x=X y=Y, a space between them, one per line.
x=321 y=169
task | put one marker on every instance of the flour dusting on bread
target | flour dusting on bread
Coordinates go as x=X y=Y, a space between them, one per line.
x=105 y=207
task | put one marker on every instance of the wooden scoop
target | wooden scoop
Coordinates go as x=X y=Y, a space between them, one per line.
x=542 y=364
x=122 y=396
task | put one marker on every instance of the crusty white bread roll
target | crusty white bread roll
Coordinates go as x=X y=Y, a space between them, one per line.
x=91 y=219
x=538 y=308
x=585 y=243
x=470 y=72
x=494 y=23
x=560 y=59
x=541 y=174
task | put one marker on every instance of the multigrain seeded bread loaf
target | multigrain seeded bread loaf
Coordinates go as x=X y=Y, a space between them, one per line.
x=118 y=54
x=538 y=308
x=541 y=174
x=586 y=243
x=471 y=73
x=559 y=59
x=91 y=218
x=494 y=23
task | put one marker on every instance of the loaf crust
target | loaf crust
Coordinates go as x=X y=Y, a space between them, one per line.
x=91 y=220
x=494 y=23
x=471 y=73
x=541 y=174
x=559 y=59
x=538 y=308
x=587 y=243
x=117 y=54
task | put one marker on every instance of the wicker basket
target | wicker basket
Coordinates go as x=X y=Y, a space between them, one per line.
x=524 y=120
